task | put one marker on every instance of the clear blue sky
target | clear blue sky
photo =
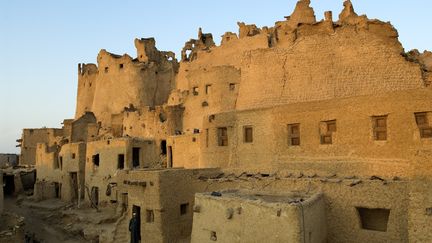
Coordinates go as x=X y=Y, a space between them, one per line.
x=41 y=42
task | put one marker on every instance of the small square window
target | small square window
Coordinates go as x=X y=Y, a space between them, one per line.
x=247 y=134
x=73 y=155
x=195 y=91
x=121 y=65
x=149 y=216
x=421 y=118
x=184 y=208
x=423 y=124
x=213 y=236
x=327 y=128
x=232 y=86
x=106 y=69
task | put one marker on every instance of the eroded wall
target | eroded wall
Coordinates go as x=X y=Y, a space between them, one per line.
x=7 y=160
x=73 y=157
x=239 y=217
x=120 y=82
x=297 y=60
x=29 y=139
x=48 y=165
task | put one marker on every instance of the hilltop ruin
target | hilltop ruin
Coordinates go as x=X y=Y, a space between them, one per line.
x=324 y=126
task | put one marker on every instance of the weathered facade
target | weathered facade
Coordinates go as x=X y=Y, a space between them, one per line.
x=331 y=108
x=238 y=214
x=8 y=160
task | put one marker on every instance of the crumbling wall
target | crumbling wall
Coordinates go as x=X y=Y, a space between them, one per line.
x=73 y=164
x=229 y=54
x=83 y=128
x=48 y=165
x=44 y=190
x=145 y=81
x=48 y=172
x=152 y=123
x=321 y=67
x=8 y=160
x=235 y=216
x=425 y=61
x=29 y=139
x=87 y=78
x=193 y=46
x=67 y=128
x=310 y=60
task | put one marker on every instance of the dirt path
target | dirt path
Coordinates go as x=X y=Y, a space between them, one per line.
x=45 y=224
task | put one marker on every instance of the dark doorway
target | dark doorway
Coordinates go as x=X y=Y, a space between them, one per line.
x=57 y=189
x=121 y=160
x=163 y=147
x=95 y=159
x=170 y=157
x=9 y=182
x=137 y=210
x=74 y=184
x=95 y=196
x=136 y=157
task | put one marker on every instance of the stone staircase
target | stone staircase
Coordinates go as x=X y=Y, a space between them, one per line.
x=121 y=234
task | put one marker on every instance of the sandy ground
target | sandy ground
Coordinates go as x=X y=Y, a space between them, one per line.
x=46 y=220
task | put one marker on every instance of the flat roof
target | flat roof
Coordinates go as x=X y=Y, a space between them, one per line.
x=257 y=196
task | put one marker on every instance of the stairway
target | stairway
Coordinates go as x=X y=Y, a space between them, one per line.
x=121 y=234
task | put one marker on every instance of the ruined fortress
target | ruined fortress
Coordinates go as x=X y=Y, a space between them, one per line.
x=306 y=131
